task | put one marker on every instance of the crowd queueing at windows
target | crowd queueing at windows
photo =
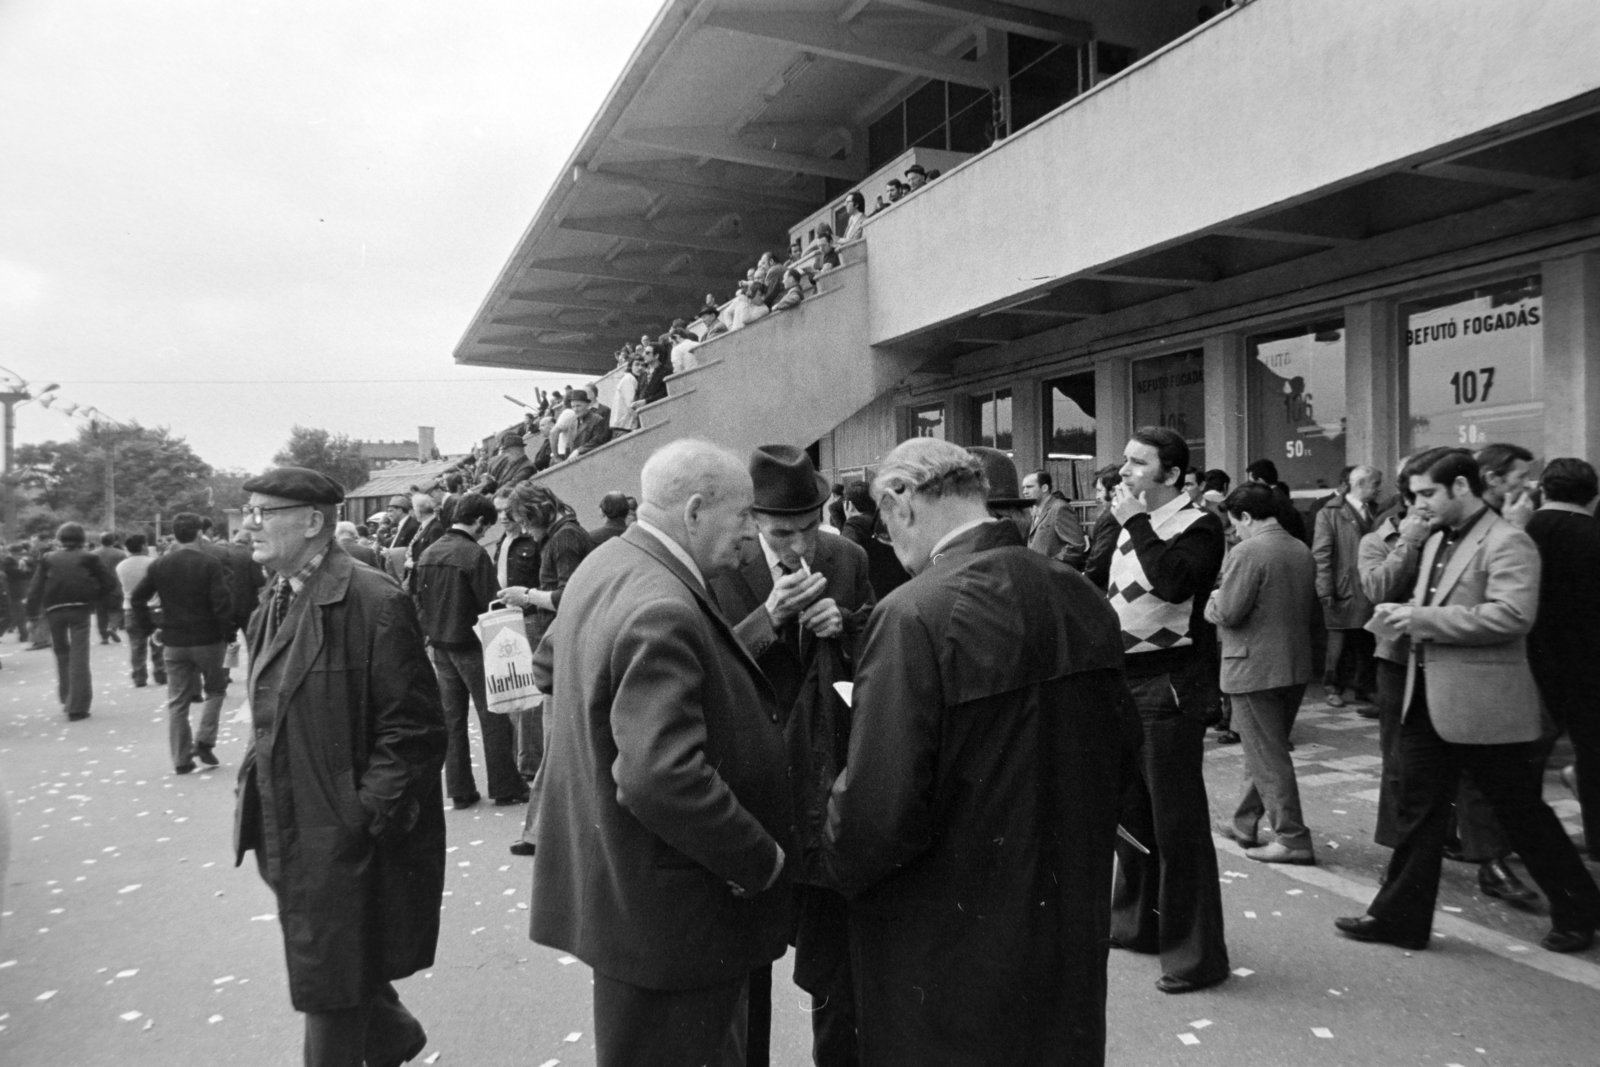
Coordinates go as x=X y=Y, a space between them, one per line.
x=1459 y=607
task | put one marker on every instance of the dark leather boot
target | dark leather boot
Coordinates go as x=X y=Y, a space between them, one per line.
x=1498 y=880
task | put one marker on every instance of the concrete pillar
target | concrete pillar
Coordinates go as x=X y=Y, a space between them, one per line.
x=1372 y=385
x=1227 y=446
x=1027 y=424
x=1572 y=356
x=1113 y=409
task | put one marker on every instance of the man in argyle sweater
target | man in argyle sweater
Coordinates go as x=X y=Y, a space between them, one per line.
x=1166 y=562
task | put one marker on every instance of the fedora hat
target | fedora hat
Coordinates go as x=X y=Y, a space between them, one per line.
x=786 y=483
x=1002 y=476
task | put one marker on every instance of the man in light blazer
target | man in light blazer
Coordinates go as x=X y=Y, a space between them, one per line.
x=666 y=812
x=1262 y=610
x=1470 y=704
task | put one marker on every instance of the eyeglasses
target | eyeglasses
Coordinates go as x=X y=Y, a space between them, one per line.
x=253 y=512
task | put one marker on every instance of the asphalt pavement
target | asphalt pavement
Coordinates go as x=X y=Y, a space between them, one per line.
x=129 y=937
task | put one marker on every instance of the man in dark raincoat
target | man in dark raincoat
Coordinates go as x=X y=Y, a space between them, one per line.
x=799 y=602
x=973 y=825
x=339 y=791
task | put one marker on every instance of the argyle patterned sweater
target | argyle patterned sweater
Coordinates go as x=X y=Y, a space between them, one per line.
x=1164 y=567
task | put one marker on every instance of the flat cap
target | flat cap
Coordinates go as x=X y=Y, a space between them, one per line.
x=297 y=483
x=509 y=438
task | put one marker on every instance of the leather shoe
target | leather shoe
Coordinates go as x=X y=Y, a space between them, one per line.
x=1371 y=928
x=1171 y=983
x=1231 y=832
x=463 y=802
x=409 y=1054
x=1278 y=852
x=506 y=802
x=522 y=848
x=1227 y=737
x=183 y=769
x=1567 y=940
x=205 y=755
x=1498 y=880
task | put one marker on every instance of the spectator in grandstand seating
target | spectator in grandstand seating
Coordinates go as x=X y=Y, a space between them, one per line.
x=592 y=429
x=683 y=357
x=1505 y=470
x=1336 y=547
x=511 y=465
x=1289 y=517
x=546 y=454
x=1103 y=535
x=824 y=256
x=701 y=326
x=1566 y=635
x=455 y=581
x=1055 y=530
x=349 y=538
x=614 y=506
x=623 y=418
x=1262 y=610
x=793 y=285
x=916 y=177
x=897 y=190
x=885 y=572
x=854 y=229
x=653 y=386
x=566 y=428
x=563 y=545
x=934 y=174
x=595 y=403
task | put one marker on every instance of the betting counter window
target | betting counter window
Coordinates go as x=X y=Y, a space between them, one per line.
x=928 y=421
x=1170 y=391
x=1474 y=368
x=1069 y=417
x=1295 y=383
x=991 y=420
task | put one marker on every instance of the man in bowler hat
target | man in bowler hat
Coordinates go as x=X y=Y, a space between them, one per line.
x=799 y=601
x=339 y=790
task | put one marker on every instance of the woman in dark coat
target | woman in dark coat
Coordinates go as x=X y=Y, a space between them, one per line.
x=548 y=519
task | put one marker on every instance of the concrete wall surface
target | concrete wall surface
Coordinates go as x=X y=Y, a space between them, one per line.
x=1272 y=102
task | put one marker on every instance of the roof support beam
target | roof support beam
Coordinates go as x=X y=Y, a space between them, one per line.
x=713 y=142
x=551 y=320
x=1255 y=233
x=1504 y=179
x=588 y=267
x=770 y=199
x=540 y=357
x=1008 y=17
x=1142 y=279
x=565 y=298
x=826 y=37
x=637 y=229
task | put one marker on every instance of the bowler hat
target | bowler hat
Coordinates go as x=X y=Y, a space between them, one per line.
x=296 y=483
x=785 y=481
x=1002 y=475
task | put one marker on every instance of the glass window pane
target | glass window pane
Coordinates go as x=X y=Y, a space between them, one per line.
x=925 y=113
x=1002 y=420
x=1171 y=391
x=1474 y=368
x=1043 y=76
x=886 y=138
x=971 y=115
x=1069 y=417
x=928 y=422
x=1297 y=412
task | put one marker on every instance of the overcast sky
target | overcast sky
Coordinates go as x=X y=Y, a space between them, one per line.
x=254 y=205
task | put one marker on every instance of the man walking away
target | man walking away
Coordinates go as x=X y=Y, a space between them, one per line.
x=1262 y=610
x=108 y=614
x=1164 y=567
x=973 y=826
x=1564 y=645
x=143 y=645
x=66 y=588
x=455 y=583
x=339 y=790
x=1471 y=704
x=1336 y=545
x=196 y=621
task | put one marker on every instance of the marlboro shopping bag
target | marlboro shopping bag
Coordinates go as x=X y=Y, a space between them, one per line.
x=507 y=660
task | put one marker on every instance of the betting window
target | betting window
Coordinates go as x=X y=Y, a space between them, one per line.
x=1170 y=391
x=991 y=420
x=1069 y=417
x=928 y=421
x=1473 y=368
x=1295 y=382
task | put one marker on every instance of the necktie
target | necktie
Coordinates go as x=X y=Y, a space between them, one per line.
x=281 y=595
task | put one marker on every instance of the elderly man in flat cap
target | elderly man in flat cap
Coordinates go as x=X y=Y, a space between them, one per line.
x=973 y=827
x=666 y=813
x=799 y=602
x=339 y=791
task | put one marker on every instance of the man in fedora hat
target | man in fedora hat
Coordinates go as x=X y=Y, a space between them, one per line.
x=799 y=601
x=1005 y=499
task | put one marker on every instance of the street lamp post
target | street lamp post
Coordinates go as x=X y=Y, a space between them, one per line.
x=16 y=392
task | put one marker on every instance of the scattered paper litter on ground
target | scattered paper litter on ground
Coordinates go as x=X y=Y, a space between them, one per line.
x=129 y=973
x=214 y=1019
x=223 y=980
x=1200 y=1024
x=549 y=1063
x=1451 y=907
x=574 y=1036
x=1293 y=892
x=432 y=1059
x=268 y=917
x=1249 y=915
x=1243 y=972
x=564 y=960
x=46 y=995
x=129 y=888
x=129 y=1016
x=1321 y=1031
x=1188 y=1038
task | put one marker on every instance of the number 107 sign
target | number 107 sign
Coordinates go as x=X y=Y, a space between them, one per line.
x=1475 y=371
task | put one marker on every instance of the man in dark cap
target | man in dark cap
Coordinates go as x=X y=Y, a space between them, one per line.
x=614 y=506
x=916 y=177
x=339 y=791
x=973 y=827
x=511 y=465
x=800 y=600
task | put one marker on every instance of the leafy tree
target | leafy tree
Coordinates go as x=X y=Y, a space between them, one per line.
x=332 y=454
x=155 y=474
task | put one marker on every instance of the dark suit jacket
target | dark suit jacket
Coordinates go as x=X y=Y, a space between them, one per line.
x=664 y=780
x=802 y=669
x=1057 y=533
x=1564 y=646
